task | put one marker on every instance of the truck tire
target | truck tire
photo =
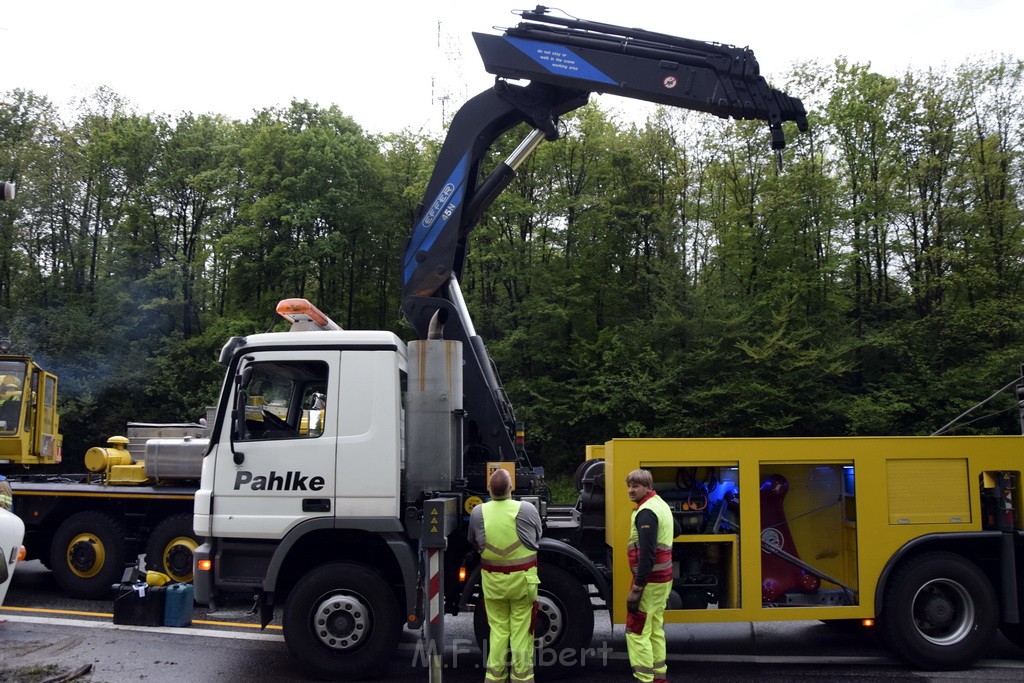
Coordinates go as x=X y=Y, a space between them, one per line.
x=939 y=611
x=87 y=554
x=171 y=548
x=565 y=620
x=342 y=621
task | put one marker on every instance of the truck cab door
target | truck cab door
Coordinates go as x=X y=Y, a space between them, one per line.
x=283 y=442
x=46 y=440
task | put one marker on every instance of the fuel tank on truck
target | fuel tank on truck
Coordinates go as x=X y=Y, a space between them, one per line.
x=175 y=459
x=171 y=452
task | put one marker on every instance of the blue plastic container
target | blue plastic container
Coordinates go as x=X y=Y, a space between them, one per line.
x=178 y=600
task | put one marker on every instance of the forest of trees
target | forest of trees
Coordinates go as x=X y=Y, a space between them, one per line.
x=663 y=279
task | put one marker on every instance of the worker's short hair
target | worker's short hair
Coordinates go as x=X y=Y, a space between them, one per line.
x=500 y=483
x=641 y=477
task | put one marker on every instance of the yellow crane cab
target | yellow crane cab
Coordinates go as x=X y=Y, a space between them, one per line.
x=29 y=424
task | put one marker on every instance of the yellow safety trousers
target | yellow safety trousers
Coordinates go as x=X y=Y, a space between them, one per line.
x=647 y=648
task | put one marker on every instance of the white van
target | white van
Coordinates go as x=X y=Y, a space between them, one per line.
x=12 y=533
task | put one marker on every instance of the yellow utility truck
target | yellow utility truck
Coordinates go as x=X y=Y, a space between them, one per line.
x=921 y=534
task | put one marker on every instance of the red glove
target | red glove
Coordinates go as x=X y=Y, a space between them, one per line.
x=635 y=622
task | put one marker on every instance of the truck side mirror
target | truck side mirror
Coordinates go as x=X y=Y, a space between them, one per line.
x=239 y=432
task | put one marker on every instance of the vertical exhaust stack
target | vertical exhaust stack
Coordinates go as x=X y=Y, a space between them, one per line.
x=433 y=413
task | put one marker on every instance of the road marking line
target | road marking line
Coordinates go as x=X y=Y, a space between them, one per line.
x=57 y=611
x=107 y=615
x=50 y=621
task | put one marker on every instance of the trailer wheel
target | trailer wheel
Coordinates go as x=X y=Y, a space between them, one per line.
x=940 y=611
x=171 y=548
x=87 y=554
x=565 y=619
x=342 y=621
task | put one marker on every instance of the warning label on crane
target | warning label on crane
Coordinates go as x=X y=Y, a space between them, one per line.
x=439 y=520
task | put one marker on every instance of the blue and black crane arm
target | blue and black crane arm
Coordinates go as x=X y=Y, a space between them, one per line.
x=564 y=60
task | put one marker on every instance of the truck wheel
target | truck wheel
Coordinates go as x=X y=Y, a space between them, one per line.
x=940 y=611
x=565 y=619
x=342 y=621
x=87 y=554
x=171 y=547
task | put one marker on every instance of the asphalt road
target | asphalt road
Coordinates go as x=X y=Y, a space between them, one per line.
x=45 y=636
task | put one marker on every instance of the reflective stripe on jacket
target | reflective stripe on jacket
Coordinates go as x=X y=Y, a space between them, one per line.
x=662 y=569
x=503 y=551
x=509 y=566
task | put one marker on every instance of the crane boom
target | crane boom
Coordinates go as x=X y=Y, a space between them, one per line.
x=564 y=60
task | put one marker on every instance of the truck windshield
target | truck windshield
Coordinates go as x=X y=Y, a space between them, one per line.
x=12 y=386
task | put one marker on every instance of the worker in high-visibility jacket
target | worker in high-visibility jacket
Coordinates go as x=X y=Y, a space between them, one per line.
x=6 y=494
x=652 y=529
x=507 y=533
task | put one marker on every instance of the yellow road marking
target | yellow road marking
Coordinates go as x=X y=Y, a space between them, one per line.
x=57 y=611
x=108 y=615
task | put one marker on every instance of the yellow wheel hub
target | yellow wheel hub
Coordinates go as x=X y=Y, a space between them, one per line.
x=86 y=555
x=177 y=558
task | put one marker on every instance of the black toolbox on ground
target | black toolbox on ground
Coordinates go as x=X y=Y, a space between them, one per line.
x=139 y=604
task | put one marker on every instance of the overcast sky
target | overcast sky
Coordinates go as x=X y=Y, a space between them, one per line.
x=406 y=63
